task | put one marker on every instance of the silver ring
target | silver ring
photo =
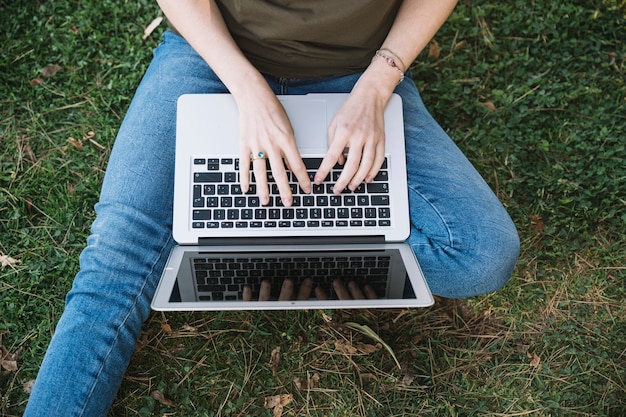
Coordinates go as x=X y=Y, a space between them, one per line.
x=259 y=155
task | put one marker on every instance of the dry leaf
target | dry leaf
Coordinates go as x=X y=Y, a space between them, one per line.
x=345 y=347
x=153 y=25
x=433 y=50
x=459 y=45
x=310 y=383
x=489 y=105
x=29 y=206
x=28 y=386
x=6 y=260
x=536 y=223
x=535 y=360
x=276 y=403
x=50 y=70
x=166 y=328
x=36 y=81
x=77 y=144
x=274 y=360
x=8 y=360
x=407 y=380
x=158 y=395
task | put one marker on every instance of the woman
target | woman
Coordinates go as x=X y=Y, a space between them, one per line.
x=463 y=238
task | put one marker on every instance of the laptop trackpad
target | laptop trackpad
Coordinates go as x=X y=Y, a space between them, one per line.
x=308 y=118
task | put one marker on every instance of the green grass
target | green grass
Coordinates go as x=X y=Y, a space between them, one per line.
x=533 y=92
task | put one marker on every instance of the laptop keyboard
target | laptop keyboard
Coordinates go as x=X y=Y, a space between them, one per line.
x=218 y=201
x=223 y=278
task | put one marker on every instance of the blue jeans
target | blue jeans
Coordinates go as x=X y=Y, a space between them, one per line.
x=462 y=236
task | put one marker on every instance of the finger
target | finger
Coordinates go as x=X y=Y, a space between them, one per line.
x=286 y=290
x=341 y=290
x=282 y=181
x=334 y=155
x=329 y=161
x=349 y=169
x=370 y=294
x=367 y=160
x=260 y=175
x=355 y=290
x=266 y=291
x=305 y=289
x=378 y=162
x=246 y=293
x=297 y=167
x=320 y=294
x=244 y=171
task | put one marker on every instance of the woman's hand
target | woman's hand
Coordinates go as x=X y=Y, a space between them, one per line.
x=356 y=135
x=266 y=133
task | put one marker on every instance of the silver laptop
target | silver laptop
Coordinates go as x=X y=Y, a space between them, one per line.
x=227 y=240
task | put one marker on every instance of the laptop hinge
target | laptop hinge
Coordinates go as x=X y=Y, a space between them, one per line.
x=291 y=240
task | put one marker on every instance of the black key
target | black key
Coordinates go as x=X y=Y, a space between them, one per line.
x=380 y=200
x=211 y=288
x=378 y=188
x=213 y=164
x=315 y=213
x=207 y=177
x=382 y=176
x=384 y=213
x=356 y=212
x=312 y=163
x=201 y=214
x=212 y=201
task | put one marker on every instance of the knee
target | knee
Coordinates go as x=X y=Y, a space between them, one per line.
x=480 y=266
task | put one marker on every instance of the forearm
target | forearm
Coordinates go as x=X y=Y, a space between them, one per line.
x=201 y=23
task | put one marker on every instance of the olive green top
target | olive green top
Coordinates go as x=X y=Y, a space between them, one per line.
x=309 y=38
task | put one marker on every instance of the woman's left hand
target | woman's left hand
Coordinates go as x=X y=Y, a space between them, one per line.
x=356 y=135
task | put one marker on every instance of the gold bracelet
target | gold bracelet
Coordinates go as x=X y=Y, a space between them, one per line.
x=391 y=62
x=393 y=54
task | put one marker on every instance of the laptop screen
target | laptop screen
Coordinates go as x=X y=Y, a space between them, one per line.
x=212 y=277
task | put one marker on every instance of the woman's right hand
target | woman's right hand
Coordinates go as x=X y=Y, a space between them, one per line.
x=266 y=133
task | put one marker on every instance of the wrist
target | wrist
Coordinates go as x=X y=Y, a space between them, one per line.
x=378 y=79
